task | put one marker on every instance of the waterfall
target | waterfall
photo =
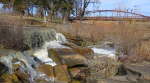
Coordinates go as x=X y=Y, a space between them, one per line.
x=42 y=39
x=39 y=40
x=19 y=58
x=36 y=37
x=42 y=53
x=60 y=37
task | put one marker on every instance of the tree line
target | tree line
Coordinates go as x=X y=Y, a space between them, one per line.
x=48 y=8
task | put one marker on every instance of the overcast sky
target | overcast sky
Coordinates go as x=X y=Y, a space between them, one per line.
x=141 y=6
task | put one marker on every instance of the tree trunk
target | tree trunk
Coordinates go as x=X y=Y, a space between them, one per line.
x=66 y=16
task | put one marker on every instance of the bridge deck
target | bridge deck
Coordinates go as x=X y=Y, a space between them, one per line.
x=110 y=18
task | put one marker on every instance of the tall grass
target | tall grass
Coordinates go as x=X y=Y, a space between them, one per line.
x=140 y=52
x=84 y=31
x=11 y=32
x=126 y=37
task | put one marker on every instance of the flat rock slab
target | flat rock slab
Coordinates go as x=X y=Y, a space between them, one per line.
x=140 y=69
x=66 y=56
x=138 y=72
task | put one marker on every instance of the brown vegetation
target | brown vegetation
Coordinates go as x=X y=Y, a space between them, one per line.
x=140 y=52
x=126 y=37
x=11 y=32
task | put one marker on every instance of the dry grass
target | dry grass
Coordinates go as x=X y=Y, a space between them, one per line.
x=125 y=36
x=133 y=41
x=11 y=32
x=140 y=52
x=83 y=31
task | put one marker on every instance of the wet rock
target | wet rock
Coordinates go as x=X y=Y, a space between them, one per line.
x=3 y=69
x=59 y=73
x=6 y=55
x=46 y=69
x=9 y=78
x=17 y=63
x=23 y=77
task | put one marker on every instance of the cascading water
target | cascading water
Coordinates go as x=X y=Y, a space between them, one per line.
x=106 y=49
x=8 y=61
x=50 y=39
x=39 y=40
x=60 y=37
x=36 y=37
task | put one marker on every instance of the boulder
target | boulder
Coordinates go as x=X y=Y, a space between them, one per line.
x=138 y=72
x=9 y=78
x=23 y=77
x=3 y=69
x=84 y=51
x=134 y=73
x=80 y=50
x=102 y=67
x=61 y=74
x=67 y=56
x=46 y=69
x=79 y=73
x=74 y=72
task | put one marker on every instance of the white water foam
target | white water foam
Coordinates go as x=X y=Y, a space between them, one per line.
x=42 y=54
x=105 y=52
x=60 y=37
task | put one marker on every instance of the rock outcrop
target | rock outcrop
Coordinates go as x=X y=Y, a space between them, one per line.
x=23 y=67
x=131 y=73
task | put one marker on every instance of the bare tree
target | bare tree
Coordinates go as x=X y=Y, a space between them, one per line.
x=80 y=7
